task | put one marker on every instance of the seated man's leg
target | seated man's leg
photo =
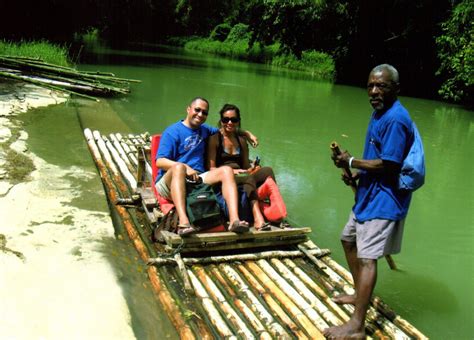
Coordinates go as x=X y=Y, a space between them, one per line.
x=225 y=175
x=175 y=179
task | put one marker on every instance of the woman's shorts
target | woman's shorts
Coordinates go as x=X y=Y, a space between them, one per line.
x=374 y=238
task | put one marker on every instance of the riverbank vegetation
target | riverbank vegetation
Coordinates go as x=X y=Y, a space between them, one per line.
x=235 y=42
x=48 y=52
x=428 y=41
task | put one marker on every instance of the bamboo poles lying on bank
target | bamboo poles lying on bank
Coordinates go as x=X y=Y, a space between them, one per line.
x=283 y=294
x=65 y=79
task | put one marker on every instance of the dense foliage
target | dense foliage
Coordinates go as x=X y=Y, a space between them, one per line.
x=356 y=34
x=456 y=53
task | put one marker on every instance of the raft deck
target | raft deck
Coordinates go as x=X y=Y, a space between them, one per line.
x=264 y=289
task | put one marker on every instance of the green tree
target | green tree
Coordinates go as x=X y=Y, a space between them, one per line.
x=456 y=54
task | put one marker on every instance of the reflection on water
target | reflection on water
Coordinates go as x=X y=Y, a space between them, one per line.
x=296 y=119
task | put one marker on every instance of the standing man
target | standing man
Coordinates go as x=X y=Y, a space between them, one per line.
x=375 y=225
x=181 y=156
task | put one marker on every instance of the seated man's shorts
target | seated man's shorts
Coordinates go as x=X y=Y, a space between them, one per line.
x=163 y=189
x=374 y=238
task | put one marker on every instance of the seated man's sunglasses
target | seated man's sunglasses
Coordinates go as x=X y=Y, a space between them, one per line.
x=199 y=110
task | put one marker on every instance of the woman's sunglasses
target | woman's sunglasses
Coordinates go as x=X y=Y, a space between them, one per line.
x=234 y=120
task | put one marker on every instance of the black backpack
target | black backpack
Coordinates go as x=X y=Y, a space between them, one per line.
x=202 y=207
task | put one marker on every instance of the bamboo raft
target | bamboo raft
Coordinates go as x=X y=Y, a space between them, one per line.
x=279 y=288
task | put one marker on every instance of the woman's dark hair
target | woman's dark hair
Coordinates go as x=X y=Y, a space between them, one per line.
x=229 y=107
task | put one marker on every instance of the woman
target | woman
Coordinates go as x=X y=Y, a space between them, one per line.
x=228 y=148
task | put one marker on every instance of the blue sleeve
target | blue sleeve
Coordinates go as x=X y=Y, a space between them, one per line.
x=211 y=129
x=168 y=145
x=394 y=140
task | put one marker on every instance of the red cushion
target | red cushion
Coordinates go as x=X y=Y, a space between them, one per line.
x=165 y=204
x=276 y=210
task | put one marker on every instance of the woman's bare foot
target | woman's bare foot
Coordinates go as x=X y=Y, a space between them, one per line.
x=349 y=330
x=343 y=299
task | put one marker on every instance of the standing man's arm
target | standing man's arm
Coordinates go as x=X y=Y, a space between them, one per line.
x=371 y=165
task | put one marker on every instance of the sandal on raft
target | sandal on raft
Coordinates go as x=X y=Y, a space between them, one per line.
x=239 y=227
x=185 y=229
x=264 y=227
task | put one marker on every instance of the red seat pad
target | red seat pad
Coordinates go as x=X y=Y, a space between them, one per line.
x=165 y=204
x=275 y=211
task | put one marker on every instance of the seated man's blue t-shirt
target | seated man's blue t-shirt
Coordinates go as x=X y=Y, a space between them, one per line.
x=389 y=137
x=182 y=144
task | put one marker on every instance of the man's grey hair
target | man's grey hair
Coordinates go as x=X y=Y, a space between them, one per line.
x=392 y=71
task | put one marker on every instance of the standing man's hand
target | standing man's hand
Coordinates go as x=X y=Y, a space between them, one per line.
x=342 y=160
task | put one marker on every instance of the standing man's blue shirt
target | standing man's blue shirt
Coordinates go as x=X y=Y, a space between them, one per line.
x=389 y=137
x=182 y=144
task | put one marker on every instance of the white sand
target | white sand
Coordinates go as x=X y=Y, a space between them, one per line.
x=55 y=282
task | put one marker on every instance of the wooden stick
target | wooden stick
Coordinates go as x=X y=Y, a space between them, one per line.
x=184 y=274
x=347 y=172
x=241 y=257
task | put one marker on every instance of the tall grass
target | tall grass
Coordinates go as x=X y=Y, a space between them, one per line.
x=46 y=51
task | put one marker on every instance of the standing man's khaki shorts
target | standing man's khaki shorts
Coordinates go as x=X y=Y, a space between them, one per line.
x=374 y=238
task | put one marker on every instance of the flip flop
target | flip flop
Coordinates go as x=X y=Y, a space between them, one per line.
x=185 y=229
x=239 y=227
x=264 y=227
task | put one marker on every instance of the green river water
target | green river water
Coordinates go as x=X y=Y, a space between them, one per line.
x=296 y=119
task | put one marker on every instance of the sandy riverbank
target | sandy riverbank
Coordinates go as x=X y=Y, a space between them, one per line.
x=55 y=282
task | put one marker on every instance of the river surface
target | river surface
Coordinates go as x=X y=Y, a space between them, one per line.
x=296 y=118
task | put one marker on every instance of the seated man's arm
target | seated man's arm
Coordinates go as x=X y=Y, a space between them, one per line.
x=251 y=138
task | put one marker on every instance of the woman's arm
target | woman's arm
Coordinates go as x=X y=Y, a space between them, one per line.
x=212 y=151
x=244 y=154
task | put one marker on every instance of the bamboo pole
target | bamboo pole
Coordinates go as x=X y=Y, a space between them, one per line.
x=294 y=295
x=272 y=303
x=347 y=172
x=131 y=155
x=298 y=315
x=159 y=288
x=239 y=257
x=317 y=289
x=219 y=323
x=118 y=146
x=235 y=320
x=377 y=302
x=375 y=319
x=120 y=163
x=241 y=305
x=311 y=298
x=268 y=320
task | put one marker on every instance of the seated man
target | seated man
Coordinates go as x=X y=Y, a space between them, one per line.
x=181 y=156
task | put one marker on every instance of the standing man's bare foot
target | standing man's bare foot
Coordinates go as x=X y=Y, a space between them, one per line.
x=343 y=299
x=349 y=330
